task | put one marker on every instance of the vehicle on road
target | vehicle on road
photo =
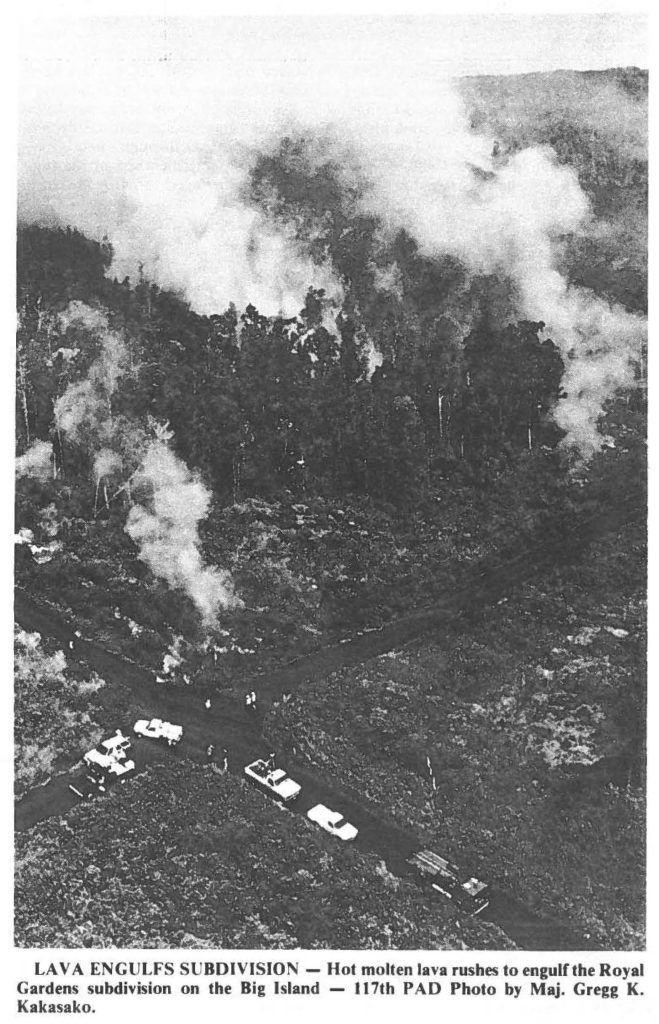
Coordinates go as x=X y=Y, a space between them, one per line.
x=104 y=765
x=116 y=746
x=102 y=772
x=332 y=822
x=468 y=893
x=274 y=780
x=156 y=729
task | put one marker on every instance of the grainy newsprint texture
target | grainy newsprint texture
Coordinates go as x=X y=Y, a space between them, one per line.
x=330 y=503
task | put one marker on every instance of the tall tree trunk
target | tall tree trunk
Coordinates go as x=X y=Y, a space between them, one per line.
x=22 y=377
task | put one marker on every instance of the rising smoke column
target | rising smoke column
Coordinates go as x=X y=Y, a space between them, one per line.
x=36 y=462
x=166 y=531
x=165 y=528
x=509 y=220
x=167 y=178
x=85 y=409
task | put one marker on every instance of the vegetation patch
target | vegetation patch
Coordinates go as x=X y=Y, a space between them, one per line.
x=55 y=711
x=484 y=740
x=187 y=857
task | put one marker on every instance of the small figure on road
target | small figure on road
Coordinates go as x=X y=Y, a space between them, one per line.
x=70 y=645
x=207 y=703
x=210 y=750
x=225 y=761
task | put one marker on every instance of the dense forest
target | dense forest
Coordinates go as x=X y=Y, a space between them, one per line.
x=214 y=494
x=265 y=406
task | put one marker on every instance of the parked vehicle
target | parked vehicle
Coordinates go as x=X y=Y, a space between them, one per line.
x=116 y=746
x=274 y=780
x=470 y=894
x=332 y=822
x=97 y=761
x=156 y=729
x=105 y=764
x=102 y=772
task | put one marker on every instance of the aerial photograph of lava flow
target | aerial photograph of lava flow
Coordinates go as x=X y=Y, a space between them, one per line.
x=330 y=519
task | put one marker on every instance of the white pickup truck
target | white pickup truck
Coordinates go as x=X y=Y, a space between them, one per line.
x=274 y=780
x=156 y=729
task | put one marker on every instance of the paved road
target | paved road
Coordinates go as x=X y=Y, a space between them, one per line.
x=229 y=726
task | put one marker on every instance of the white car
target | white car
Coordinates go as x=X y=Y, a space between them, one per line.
x=156 y=729
x=101 y=762
x=108 y=751
x=105 y=770
x=275 y=780
x=332 y=822
x=115 y=746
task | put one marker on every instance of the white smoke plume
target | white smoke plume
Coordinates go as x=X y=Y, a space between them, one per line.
x=81 y=408
x=107 y=463
x=79 y=313
x=36 y=462
x=601 y=345
x=167 y=530
x=85 y=408
x=185 y=117
x=509 y=220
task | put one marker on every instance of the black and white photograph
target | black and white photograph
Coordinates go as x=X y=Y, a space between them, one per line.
x=330 y=561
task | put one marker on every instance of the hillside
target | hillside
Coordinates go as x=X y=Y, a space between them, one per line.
x=204 y=500
x=596 y=123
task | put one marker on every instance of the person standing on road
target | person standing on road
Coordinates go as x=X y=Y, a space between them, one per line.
x=210 y=750
x=225 y=761
x=207 y=703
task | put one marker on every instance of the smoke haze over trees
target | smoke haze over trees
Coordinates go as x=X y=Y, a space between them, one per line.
x=318 y=298
x=328 y=340
x=248 y=189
